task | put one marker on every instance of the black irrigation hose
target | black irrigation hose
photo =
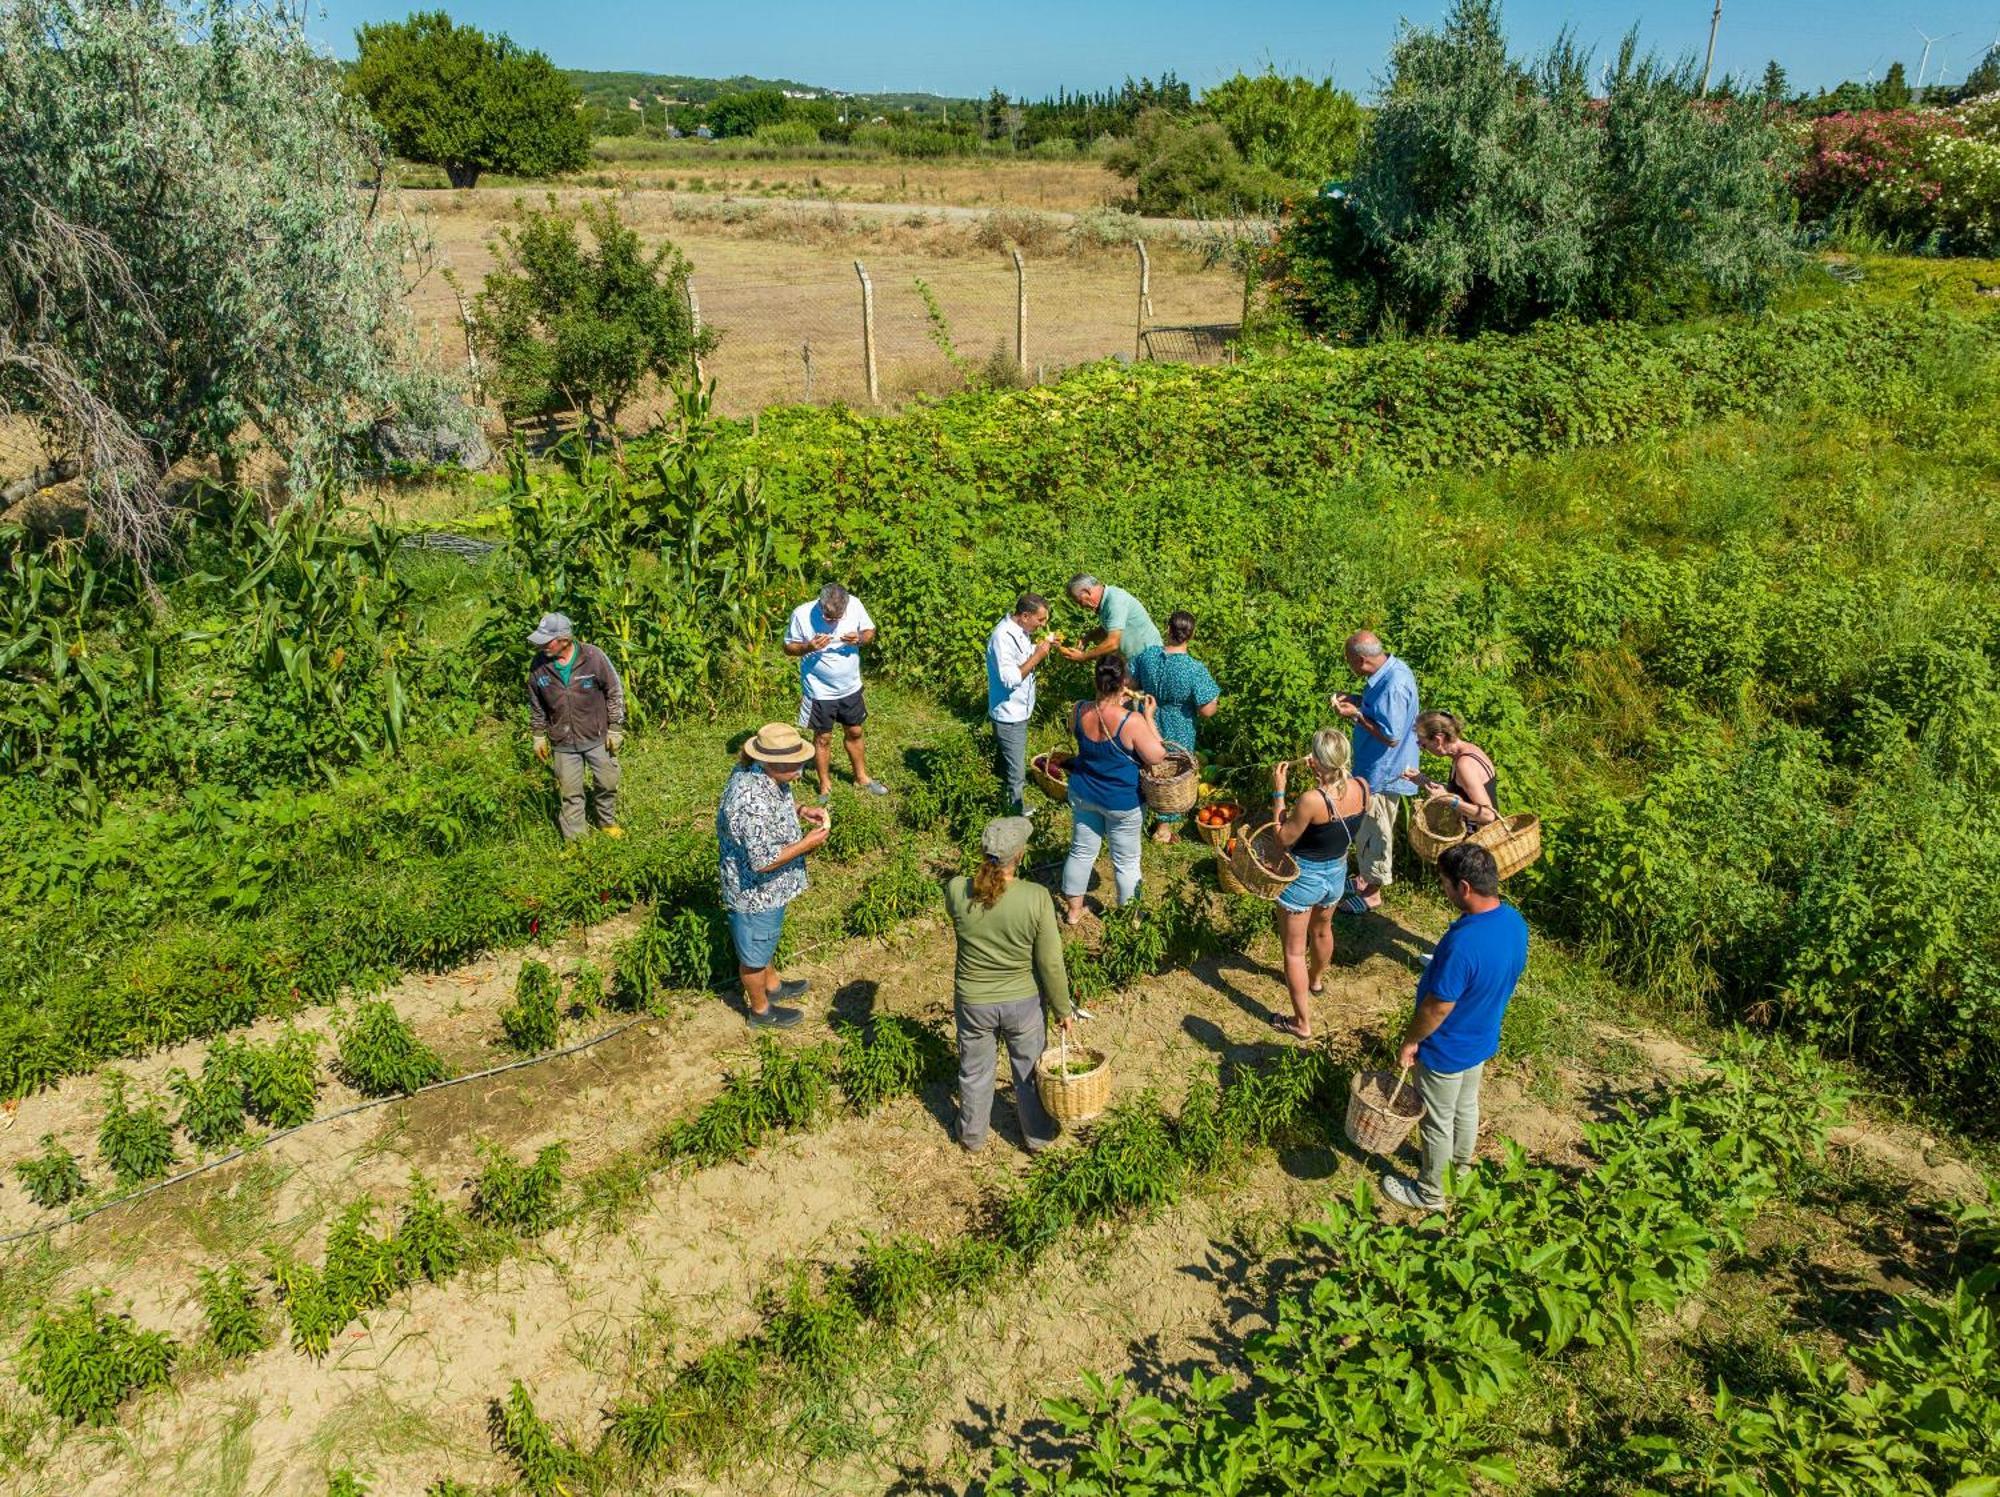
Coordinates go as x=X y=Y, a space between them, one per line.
x=363 y=1106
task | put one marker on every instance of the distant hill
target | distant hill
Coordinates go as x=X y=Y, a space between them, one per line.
x=611 y=90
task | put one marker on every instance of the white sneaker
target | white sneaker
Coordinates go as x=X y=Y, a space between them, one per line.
x=1405 y=1193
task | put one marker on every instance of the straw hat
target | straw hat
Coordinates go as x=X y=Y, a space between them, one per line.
x=778 y=743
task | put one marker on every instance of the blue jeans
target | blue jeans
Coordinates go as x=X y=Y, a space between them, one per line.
x=756 y=937
x=1090 y=828
x=1012 y=739
x=1317 y=886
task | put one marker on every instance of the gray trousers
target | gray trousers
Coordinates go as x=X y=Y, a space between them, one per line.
x=1013 y=741
x=1451 y=1123
x=569 y=765
x=982 y=1029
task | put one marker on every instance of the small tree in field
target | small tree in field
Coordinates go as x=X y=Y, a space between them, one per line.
x=452 y=96
x=186 y=265
x=570 y=326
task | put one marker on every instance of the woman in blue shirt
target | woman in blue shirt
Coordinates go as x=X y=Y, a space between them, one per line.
x=1185 y=691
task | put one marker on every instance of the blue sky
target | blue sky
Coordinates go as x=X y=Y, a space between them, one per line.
x=1033 y=46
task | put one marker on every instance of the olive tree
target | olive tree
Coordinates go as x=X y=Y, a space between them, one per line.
x=193 y=256
x=452 y=96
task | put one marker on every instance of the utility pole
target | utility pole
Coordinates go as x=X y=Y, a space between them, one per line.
x=1714 y=24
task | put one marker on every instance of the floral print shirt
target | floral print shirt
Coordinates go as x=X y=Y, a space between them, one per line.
x=757 y=820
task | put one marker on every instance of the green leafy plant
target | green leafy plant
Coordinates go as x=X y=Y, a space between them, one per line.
x=525 y=1199
x=380 y=1056
x=700 y=1414
x=901 y=891
x=791 y=1088
x=890 y=1057
x=532 y=1022
x=431 y=1240
x=281 y=1078
x=813 y=1328
x=549 y=1466
x=359 y=1272
x=135 y=1142
x=51 y=1178
x=344 y=1483
x=213 y=1103
x=586 y=990
x=232 y=1324
x=85 y=1362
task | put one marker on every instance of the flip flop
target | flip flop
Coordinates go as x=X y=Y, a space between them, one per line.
x=1354 y=904
x=1287 y=1025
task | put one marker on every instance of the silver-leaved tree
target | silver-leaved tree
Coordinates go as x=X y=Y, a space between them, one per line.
x=195 y=253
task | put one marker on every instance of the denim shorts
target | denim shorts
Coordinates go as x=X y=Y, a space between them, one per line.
x=1318 y=886
x=756 y=937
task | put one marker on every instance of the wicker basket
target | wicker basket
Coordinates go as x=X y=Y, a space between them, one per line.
x=1051 y=773
x=1073 y=1098
x=1515 y=841
x=1260 y=865
x=1381 y=1110
x=1436 y=826
x=1171 y=787
x=1225 y=869
x=1219 y=834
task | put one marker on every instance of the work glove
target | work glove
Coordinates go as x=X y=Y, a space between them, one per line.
x=615 y=739
x=542 y=747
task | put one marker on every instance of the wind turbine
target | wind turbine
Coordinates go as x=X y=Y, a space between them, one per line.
x=1929 y=42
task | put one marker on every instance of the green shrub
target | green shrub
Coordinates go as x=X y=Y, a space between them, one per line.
x=586 y=990
x=955 y=787
x=212 y=1105
x=532 y=1022
x=548 y=1465
x=84 y=1362
x=358 y=1273
x=281 y=1078
x=135 y=1143
x=525 y=1199
x=380 y=1056
x=860 y=823
x=431 y=1241
x=232 y=1324
x=813 y=1328
x=891 y=1057
x=900 y=891
x=51 y=1178
x=791 y=1088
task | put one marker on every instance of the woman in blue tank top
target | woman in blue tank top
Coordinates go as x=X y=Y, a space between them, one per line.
x=1112 y=741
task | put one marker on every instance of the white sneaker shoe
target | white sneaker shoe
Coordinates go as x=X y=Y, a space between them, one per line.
x=1405 y=1193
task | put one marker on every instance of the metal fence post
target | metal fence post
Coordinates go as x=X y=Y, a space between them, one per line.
x=868 y=334
x=1145 y=300
x=1020 y=313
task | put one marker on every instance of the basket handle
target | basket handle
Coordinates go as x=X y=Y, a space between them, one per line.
x=1062 y=1065
x=1402 y=1081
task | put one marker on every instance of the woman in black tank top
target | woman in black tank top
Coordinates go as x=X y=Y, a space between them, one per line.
x=1474 y=787
x=1319 y=829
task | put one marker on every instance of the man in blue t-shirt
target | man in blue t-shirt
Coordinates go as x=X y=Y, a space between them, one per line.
x=1461 y=999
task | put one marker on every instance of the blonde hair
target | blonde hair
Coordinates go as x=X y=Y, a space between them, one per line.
x=989 y=881
x=1331 y=758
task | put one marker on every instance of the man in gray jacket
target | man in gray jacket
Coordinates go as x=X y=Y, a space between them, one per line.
x=576 y=710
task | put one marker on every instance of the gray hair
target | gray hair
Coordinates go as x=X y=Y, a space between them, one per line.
x=1365 y=644
x=833 y=601
x=1030 y=603
x=1082 y=582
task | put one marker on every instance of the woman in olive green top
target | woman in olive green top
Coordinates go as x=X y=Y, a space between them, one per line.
x=1010 y=963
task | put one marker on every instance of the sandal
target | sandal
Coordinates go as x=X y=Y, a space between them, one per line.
x=1286 y=1024
x=1352 y=903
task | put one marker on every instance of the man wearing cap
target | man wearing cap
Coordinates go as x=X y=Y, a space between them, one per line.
x=1009 y=968
x=576 y=710
x=763 y=864
x=825 y=636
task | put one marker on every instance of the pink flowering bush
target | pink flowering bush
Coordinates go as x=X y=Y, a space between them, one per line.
x=1849 y=157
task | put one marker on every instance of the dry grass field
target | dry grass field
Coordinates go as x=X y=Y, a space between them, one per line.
x=776 y=279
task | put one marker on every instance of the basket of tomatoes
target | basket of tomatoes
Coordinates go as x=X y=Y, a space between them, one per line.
x=1214 y=821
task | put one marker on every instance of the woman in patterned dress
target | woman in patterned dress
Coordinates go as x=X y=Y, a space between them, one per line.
x=1184 y=690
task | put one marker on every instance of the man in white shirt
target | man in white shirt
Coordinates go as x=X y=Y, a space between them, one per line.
x=825 y=636
x=1011 y=658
